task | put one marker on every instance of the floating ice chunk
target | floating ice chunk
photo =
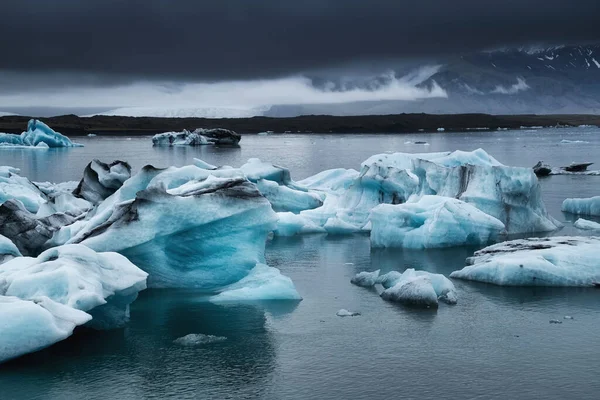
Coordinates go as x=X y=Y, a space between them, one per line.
x=555 y=261
x=568 y=317
x=555 y=321
x=586 y=225
x=417 y=288
x=589 y=206
x=256 y=170
x=38 y=135
x=290 y=224
x=197 y=138
x=345 y=313
x=441 y=129
x=261 y=283
x=567 y=141
x=100 y=180
x=365 y=279
x=198 y=339
x=8 y=250
x=27 y=326
x=432 y=221
x=187 y=227
x=102 y=284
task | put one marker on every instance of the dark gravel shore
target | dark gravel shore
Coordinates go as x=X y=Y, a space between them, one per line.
x=73 y=125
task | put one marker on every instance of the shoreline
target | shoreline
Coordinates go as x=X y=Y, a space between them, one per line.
x=72 y=125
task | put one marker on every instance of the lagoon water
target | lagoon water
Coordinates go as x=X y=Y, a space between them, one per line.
x=496 y=343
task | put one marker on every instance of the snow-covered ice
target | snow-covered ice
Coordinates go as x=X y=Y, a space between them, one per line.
x=589 y=206
x=554 y=261
x=432 y=221
x=586 y=225
x=37 y=135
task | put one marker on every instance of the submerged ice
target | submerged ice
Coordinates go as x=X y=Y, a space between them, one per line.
x=555 y=261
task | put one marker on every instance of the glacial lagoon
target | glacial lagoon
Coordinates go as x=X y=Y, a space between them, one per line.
x=497 y=342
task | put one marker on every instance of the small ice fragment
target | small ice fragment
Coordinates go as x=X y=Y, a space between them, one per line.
x=568 y=317
x=345 y=313
x=555 y=321
x=196 y=339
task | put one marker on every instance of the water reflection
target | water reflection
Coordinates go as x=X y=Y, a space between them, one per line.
x=141 y=360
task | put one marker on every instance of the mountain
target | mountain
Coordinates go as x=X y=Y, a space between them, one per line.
x=542 y=80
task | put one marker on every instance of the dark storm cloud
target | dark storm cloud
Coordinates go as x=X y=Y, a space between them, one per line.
x=246 y=39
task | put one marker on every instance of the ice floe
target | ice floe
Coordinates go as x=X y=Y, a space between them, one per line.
x=555 y=261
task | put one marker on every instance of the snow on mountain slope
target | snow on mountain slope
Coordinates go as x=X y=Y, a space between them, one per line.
x=200 y=112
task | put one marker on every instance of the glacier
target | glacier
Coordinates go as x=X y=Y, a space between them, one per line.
x=589 y=206
x=38 y=135
x=198 y=137
x=432 y=221
x=420 y=288
x=553 y=261
x=43 y=299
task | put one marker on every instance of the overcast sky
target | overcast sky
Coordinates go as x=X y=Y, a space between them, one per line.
x=120 y=52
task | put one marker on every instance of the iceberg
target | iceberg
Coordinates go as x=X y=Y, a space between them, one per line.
x=38 y=135
x=43 y=299
x=411 y=287
x=509 y=194
x=419 y=288
x=198 y=137
x=584 y=224
x=100 y=180
x=589 y=206
x=188 y=227
x=432 y=221
x=290 y=224
x=554 y=261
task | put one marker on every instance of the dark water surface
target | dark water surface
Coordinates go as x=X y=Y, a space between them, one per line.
x=497 y=343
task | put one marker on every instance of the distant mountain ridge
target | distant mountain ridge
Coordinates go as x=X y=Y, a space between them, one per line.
x=525 y=80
